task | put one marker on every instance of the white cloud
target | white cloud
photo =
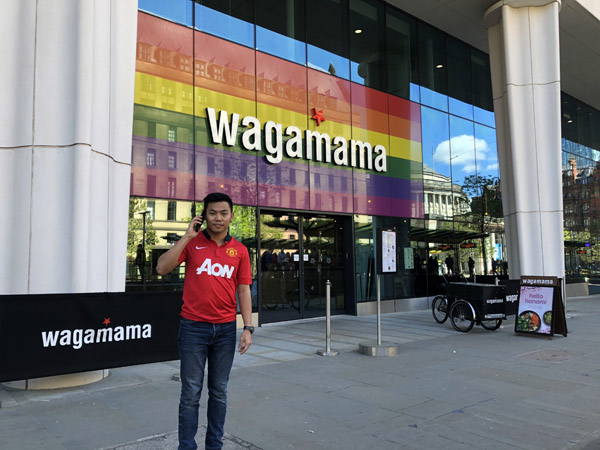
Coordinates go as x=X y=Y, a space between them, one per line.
x=459 y=150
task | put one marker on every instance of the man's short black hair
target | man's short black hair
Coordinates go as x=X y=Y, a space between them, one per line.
x=215 y=197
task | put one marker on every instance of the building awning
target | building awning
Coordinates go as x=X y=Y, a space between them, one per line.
x=443 y=236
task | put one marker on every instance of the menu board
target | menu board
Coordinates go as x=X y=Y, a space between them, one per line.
x=535 y=310
x=540 y=308
x=387 y=254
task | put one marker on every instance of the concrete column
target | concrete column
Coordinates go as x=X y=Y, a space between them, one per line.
x=448 y=212
x=443 y=205
x=525 y=64
x=65 y=144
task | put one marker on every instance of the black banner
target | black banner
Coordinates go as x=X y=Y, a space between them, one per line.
x=512 y=295
x=54 y=334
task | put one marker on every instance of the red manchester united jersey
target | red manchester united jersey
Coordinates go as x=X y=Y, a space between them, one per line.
x=212 y=274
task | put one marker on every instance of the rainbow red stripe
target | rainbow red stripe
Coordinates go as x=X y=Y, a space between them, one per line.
x=180 y=72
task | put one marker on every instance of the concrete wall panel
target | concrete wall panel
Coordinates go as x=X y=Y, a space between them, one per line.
x=522 y=147
x=545 y=64
x=64 y=72
x=59 y=219
x=530 y=243
x=15 y=173
x=17 y=37
x=517 y=51
x=548 y=145
x=98 y=223
x=123 y=40
x=100 y=87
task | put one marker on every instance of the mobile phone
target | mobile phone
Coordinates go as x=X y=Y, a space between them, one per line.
x=198 y=225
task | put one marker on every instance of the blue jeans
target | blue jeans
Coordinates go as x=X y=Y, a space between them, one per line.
x=199 y=341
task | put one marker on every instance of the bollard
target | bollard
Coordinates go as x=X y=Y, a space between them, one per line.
x=328 y=351
x=378 y=310
x=378 y=348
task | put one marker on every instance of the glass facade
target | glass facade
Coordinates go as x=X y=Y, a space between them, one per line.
x=350 y=109
x=581 y=188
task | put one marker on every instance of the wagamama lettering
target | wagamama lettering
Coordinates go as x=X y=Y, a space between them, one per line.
x=354 y=153
x=78 y=338
x=216 y=269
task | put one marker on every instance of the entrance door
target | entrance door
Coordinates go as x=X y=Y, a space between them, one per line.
x=323 y=260
x=299 y=254
x=279 y=268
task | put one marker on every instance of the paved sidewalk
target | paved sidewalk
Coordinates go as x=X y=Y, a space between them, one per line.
x=169 y=441
x=444 y=389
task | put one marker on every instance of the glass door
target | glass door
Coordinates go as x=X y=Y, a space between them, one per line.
x=323 y=259
x=279 y=274
x=299 y=253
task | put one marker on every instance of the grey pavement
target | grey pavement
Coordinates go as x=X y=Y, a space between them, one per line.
x=476 y=390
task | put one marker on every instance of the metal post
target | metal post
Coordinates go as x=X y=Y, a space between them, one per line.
x=378 y=348
x=143 y=270
x=563 y=288
x=328 y=314
x=378 y=309
x=328 y=351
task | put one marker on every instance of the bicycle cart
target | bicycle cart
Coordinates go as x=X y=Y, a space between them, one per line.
x=468 y=304
x=439 y=305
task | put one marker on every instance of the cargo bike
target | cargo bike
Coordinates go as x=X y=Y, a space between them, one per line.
x=467 y=304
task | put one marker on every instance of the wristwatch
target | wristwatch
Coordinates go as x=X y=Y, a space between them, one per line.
x=250 y=328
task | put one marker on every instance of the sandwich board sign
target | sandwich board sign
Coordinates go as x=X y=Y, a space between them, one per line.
x=540 y=308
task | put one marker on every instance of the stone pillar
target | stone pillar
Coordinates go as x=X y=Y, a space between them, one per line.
x=525 y=64
x=65 y=144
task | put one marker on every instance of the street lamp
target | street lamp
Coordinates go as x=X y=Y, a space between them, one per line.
x=143 y=214
x=484 y=221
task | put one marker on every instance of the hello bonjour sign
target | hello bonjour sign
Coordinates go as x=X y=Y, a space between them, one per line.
x=315 y=146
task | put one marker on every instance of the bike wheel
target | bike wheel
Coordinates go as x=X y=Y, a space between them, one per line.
x=294 y=299
x=461 y=316
x=492 y=324
x=439 y=308
x=295 y=302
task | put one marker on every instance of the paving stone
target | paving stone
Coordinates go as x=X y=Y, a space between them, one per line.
x=169 y=441
x=552 y=355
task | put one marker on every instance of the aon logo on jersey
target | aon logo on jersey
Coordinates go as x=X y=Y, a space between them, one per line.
x=216 y=269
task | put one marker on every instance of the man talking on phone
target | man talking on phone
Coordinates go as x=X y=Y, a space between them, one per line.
x=216 y=265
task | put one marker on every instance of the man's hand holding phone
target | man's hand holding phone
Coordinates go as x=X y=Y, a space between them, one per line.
x=196 y=223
